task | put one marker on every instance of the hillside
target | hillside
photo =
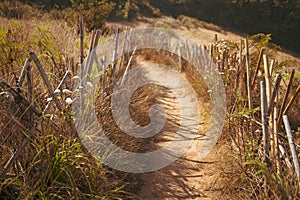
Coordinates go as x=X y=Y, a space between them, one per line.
x=43 y=155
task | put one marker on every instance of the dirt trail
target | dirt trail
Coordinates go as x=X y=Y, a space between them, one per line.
x=188 y=177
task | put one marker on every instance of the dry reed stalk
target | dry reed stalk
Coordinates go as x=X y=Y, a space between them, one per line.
x=292 y=146
x=257 y=67
x=285 y=97
x=264 y=117
x=45 y=78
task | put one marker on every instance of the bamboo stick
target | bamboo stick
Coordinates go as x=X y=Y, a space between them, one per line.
x=267 y=78
x=257 y=67
x=123 y=49
x=115 y=55
x=272 y=63
x=216 y=38
x=81 y=30
x=293 y=98
x=180 y=59
x=45 y=78
x=285 y=97
x=92 y=54
x=274 y=94
x=30 y=89
x=128 y=65
x=292 y=146
x=264 y=122
x=242 y=78
x=284 y=155
x=248 y=73
x=276 y=131
x=23 y=72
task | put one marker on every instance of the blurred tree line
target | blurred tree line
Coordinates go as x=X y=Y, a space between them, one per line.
x=279 y=17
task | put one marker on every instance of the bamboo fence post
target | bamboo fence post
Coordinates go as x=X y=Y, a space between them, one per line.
x=272 y=63
x=123 y=49
x=180 y=59
x=257 y=67
x=81 y=30
x=92 y=54
x=270 y=114
x=128 y=65
x=23 y=72
x=30 y=90
x=92 y=41
x=285 y=97
x=267 y=78
x=276 y=143
x=284 y=155
x=45 y=78
x=264 y=122
x=248 y=73
x=242 y=78
x=274 y=94
x=216 y=38
x=268 y=92
x=115 y=55
x=292 y=146
x=288 y=106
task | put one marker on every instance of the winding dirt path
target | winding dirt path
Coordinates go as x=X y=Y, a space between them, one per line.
x=188 y=177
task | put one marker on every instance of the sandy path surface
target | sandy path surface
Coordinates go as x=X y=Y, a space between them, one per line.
x=188 y=177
